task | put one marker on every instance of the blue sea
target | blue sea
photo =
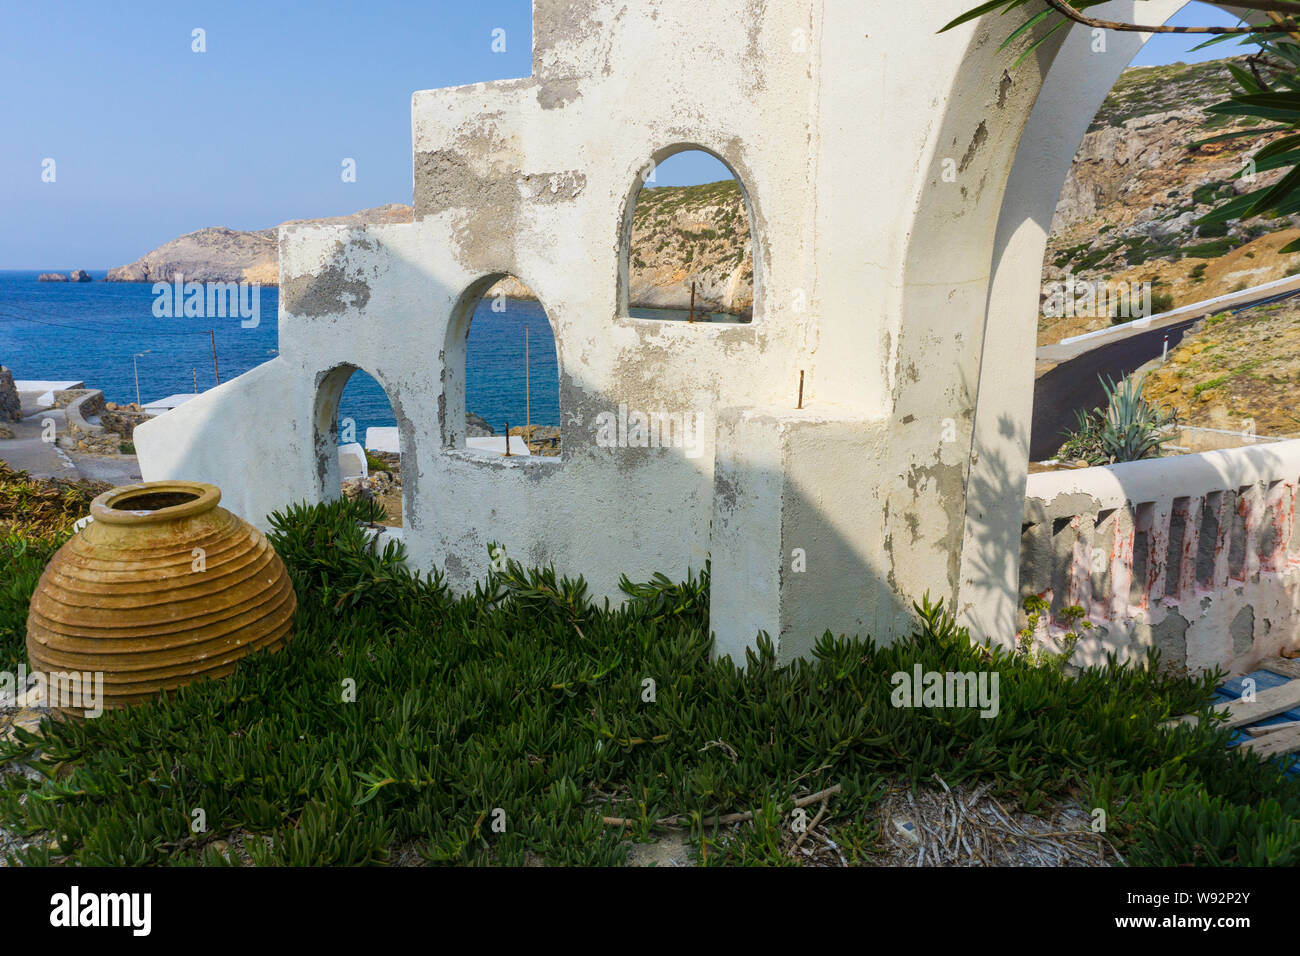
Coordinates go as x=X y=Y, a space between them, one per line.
x=105 y=333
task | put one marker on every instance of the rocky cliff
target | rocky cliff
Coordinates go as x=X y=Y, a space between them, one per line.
x=1129 y=207
x=691 y=234
x=218 y=254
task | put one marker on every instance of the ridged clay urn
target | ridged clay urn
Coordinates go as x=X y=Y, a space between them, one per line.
x=162 y=587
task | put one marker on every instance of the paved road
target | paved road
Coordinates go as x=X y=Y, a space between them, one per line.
x=1075 y=384
x=29 y=452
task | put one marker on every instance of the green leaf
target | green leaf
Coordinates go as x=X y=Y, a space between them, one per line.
x=1232 y=209
x=1277 y=146
x=1223 y=137
x=1026 y=26
x=979 y=11
x=1284 y=187
x=1247 y=80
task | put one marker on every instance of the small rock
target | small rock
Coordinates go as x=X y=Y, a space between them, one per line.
x=11 y=407
x=477 y=427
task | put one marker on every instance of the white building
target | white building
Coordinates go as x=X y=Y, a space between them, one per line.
x=899 y=185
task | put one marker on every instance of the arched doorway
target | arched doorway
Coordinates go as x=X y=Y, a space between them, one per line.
x=359 y=443
x=1077 y=79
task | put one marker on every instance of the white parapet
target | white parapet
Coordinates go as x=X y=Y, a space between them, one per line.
x=1195 y=555
x=160 y=405
x=46 y=387
x=384 y=438
x=352 y=461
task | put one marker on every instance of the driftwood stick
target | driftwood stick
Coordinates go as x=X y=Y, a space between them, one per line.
x=681 y=820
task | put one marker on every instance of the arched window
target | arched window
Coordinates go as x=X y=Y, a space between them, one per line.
x=687 y=243
x=503 y=364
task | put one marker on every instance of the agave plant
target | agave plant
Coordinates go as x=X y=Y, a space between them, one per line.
x=1085 y=440
x=1130 y=429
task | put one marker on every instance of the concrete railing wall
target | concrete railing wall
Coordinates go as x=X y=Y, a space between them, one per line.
x=79 y=407
x=1196 y=555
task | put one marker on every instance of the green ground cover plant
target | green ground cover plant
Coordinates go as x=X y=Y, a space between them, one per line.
x=502 y=726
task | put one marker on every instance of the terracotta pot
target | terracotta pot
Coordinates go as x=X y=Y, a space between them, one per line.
x=161 y=588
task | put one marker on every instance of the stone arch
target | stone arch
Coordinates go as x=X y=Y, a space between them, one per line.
x=1062 y=98
x=731 y=161
x=451 y=416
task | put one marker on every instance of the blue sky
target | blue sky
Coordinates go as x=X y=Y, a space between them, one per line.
x=151 y=140
x=1168 y=47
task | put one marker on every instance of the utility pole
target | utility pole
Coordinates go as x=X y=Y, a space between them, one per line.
x=691 y=317
x=215 y=371
x=135 y=363
x=528 y=398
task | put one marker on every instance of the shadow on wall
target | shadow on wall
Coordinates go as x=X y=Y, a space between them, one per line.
x=992 y=559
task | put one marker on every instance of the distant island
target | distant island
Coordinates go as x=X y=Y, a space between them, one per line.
x=77 y=275
x=680 y=235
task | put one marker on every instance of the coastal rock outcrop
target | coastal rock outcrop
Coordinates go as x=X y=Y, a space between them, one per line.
x=80 y=275
x=51 y=277
x=218 y=254
x=11 y=407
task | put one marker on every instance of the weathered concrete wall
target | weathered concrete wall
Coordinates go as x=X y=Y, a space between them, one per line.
x=1196 y=555
x=873 y=157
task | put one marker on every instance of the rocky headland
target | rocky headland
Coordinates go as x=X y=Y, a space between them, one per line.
x=1140 y=181
x=218 y=254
